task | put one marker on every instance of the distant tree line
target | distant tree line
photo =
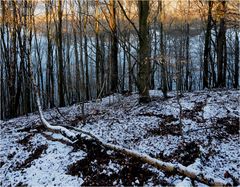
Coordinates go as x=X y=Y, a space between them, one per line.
x=82 y=50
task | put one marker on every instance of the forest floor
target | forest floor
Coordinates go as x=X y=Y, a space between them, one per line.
x=206 y=139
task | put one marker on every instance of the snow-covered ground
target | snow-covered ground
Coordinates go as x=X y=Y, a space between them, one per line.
x=207 y=140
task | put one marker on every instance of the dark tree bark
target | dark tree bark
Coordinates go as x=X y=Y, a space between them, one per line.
x=153 y=68
x=114 y=47
x=69 y=85
x=80 y=25
x=236 y=61
x=207 y=46
x=162 y=52
x=12 y=66
x=60 y=56
x=187 y=51
x=49 y=71
x=98 y=57
x=221 y=49
x=29 y=96
x=123 y=67
x=144 y=64
x=22 y=46
x=98 y=52
x=102 y=64
x=77 y=73
x=86 y=55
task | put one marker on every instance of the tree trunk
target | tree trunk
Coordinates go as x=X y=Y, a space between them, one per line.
x=221 y=53
x=130 y=71
x=153 y=68
x=207 y=46
x=60 y=56
x=98 y=52
x=12 y=66
x=144 y=64
x=81 y=53
x=236 y=61
x=102 y=64
x=163 y=61
x=114 y=47
x=49 y=72
x=77 y=70
x=124 y=67
x=87 y=90
x=187 y=51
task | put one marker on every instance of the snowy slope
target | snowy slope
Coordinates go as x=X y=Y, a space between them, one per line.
x=207 y=140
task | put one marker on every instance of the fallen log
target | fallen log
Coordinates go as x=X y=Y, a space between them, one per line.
x=65 y=132
x=165 y=166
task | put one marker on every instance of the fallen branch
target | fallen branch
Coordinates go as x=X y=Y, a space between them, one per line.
x=165 y=166
x=65 y=132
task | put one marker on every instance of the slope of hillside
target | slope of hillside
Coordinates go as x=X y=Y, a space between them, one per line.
x=206 y=139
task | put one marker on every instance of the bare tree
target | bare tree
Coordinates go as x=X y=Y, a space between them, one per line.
x=221 y=47
x=144 y=64
x=114 y=47
x=207 y=46
x=162 y=52
x=60 y=55
x=236 y=73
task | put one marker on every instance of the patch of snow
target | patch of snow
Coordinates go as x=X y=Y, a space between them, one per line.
x=122 y=121
x=185 y=183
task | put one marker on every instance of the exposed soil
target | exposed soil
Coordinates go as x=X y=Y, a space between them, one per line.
x=165 y=118
x=11 y=155
x=164 y=130
x=186 y=154
x=26 y=139
x=99 y=168
x=231 y=124
x=193 y=114
x=20 y=184
x=1 y=163
x=33 y=156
